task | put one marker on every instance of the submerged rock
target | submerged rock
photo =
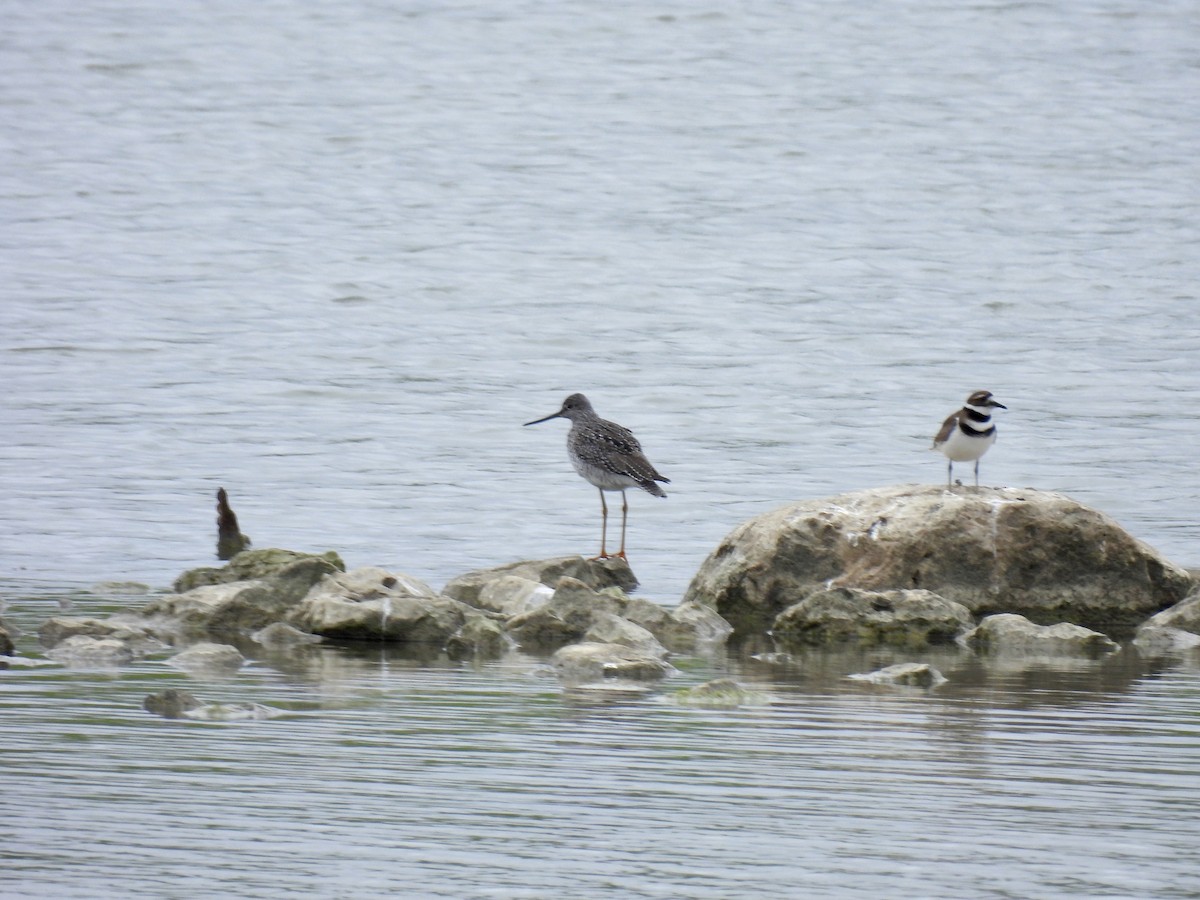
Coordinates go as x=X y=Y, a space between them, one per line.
x=897 y=618
x=721 y=693
x=993 y=550
x=920 y=675
x=589 y=661
x=1010 y=634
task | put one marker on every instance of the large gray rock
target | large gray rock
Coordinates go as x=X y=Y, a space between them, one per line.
x=595 y=573
x=1010 y=634
x=993 y=550
x=377 y=605
x=897 y=618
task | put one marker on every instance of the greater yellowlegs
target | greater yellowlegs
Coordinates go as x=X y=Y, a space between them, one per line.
x=609 y=457
x=967 y=433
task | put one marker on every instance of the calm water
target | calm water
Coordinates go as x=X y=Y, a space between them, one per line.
x=331 y=256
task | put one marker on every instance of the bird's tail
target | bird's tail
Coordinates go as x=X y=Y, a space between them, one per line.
x=651 y=488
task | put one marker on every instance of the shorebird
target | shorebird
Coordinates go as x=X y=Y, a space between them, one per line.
x=967 y=433
x=609 y=457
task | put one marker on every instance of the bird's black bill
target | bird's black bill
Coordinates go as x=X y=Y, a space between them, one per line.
x=998 y=405
x=545 y=418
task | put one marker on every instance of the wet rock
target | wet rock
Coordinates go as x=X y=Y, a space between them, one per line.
x=280 y=635
x=920 y=675
x=1173 y=631
x=596 y=574
x=7 y=648
x=566 y=617
x=251 y=565
x=374 y=604
x=993 y=550
x=896 y=618
x=721 y=693
x=1010 y=634
x=478 y=638
x=578 y=663
x=1184 y=615
x=687 y=627
x=607 y=628
x=86 y=651
x=207 y=658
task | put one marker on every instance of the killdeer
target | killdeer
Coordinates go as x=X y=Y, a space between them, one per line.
x=967 y=433
x=609 y=457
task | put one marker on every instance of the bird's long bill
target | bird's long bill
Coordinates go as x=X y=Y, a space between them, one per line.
x=998 y=405
x=545 y=418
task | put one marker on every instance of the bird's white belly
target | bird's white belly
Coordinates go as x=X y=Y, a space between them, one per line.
x=602 y=478
x=961 y=447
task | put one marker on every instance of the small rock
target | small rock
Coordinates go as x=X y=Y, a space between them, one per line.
x=208 y=658
x=86 y=651
x=920 y=675
x=7 y=648
x=170 y=704
x=591 y=661
x=898 y=618
x=595 y=573
x=1152 y=640
x=1010 y=634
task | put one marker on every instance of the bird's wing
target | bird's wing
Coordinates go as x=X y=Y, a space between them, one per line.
x=947 y=428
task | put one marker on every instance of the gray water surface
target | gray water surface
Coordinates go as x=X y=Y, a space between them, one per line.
x=331 y=256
